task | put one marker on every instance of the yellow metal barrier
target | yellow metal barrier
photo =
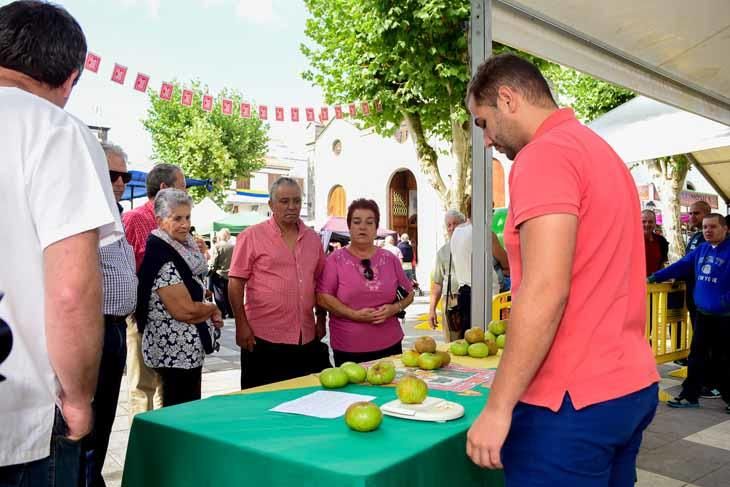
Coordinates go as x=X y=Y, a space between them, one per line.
x=667 y=320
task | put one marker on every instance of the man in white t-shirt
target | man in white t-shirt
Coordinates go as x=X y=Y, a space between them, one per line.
x=57 y=208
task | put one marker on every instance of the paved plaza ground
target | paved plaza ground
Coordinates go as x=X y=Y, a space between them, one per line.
x=681 y=447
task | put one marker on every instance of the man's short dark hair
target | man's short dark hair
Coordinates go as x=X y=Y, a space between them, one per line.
x=720 y=218
x=161 y=173
x=41 y=40
x=508 y=69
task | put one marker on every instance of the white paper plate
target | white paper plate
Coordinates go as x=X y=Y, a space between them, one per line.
x=432 y=409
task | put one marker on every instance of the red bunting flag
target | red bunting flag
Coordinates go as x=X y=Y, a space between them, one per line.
x=245 y=110
x=324 y=114
x=365 y=108
x=119 y=73
x=92 y=62
x=295 y=114
x=279 y=114
x=227 y=107
x=207 y=103
x=378 y=106
x=187 y=98
x=166 y=91
x=338 y=111
x=310 y=114
x=140 y=84
x=353 y=110
x=263 y=112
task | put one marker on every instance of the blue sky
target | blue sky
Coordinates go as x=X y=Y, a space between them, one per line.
x=251 y=45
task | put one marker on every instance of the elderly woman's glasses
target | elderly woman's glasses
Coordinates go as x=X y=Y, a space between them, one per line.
x=368 y=270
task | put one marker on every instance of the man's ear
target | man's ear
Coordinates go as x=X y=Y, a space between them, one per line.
x=68 y=85
x=507 y=98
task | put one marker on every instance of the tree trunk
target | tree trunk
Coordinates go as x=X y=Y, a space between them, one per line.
x=427 y=156
x=461 y=145
x=668 y=175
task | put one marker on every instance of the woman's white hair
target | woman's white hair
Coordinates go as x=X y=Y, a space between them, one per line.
x=170 y=198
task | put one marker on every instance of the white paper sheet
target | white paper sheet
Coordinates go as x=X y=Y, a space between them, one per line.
x=321 y=404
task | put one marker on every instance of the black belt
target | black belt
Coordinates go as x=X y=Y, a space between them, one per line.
x=115 y=320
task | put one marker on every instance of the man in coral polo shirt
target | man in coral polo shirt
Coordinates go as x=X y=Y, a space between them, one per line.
x=576 y=385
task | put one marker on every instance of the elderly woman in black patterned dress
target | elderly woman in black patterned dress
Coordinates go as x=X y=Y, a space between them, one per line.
x=178 y=326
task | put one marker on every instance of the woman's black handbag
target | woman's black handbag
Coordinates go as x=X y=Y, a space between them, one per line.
x=400 y=295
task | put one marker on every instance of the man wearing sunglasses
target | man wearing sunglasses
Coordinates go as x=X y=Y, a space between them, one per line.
x=120 y=299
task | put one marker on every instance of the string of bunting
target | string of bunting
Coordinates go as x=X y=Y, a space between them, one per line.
x=141 y=82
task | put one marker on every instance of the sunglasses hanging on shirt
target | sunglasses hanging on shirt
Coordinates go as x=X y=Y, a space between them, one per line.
x=368 y=270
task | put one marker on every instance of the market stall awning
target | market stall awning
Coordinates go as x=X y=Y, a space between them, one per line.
x=238 y=222
x=137 y=187
x=204 y=213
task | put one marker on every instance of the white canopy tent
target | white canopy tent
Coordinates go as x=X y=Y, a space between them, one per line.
x=669 y=50
x=204 y=214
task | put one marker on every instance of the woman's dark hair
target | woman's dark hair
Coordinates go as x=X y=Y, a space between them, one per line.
x=41 y=40
x=363 y=204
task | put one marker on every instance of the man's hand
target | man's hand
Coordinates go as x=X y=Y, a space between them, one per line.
x=78 y=417
x=433 y=319
x=245 y=338
x=486 y=437
x=384 y=312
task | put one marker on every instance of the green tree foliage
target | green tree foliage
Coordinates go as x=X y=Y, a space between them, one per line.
x=413 y=56
x=206 y=144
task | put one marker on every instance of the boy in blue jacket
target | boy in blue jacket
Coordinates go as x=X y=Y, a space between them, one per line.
x=709 y=267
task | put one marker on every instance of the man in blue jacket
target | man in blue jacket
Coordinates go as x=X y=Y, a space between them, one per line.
x=709 y=266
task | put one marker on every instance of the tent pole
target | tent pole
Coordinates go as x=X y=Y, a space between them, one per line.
x=481 y=203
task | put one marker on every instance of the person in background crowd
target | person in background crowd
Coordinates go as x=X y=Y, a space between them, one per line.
x=178 y=325
x=408 y=260
x=219 y=271
x=566 y=265
x=120 y=300
x=276 y=264
x=656 y=247
x=708 y=265
x=358 y=287
x=144 y=385
x=389 y=245
x=443 y=271
x=51 y=325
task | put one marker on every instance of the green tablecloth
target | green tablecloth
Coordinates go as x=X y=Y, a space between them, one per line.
x=236 y=441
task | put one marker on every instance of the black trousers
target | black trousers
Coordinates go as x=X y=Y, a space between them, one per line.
x=464 y=301
x=219 y=286
x=359 y=357
x=113 y=358
x=708 y=356
x=180 y=385
x=273 y=362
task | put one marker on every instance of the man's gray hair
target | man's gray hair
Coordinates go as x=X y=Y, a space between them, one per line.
x=170 y=198
x=282 y=181
x=161 y=173
x=110 y=148
x=455 y=214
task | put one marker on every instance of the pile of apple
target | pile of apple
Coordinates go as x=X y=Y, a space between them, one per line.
x=425 y=356
x=479 y=344
x=383 y=372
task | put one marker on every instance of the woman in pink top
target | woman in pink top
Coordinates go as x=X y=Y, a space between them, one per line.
x=358 y=287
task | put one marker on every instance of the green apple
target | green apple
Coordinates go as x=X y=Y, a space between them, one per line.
x=411 y=390
x=478 y=350
x=474 y=335
x=490 y=337
x=459 y=347
x=356 y=373
x=333 y=377
x=429 y=361
x=382 y=372
x=500 y=340
x=410 y=358
x=363 y=416
x=425 y=344
x=498 y=327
